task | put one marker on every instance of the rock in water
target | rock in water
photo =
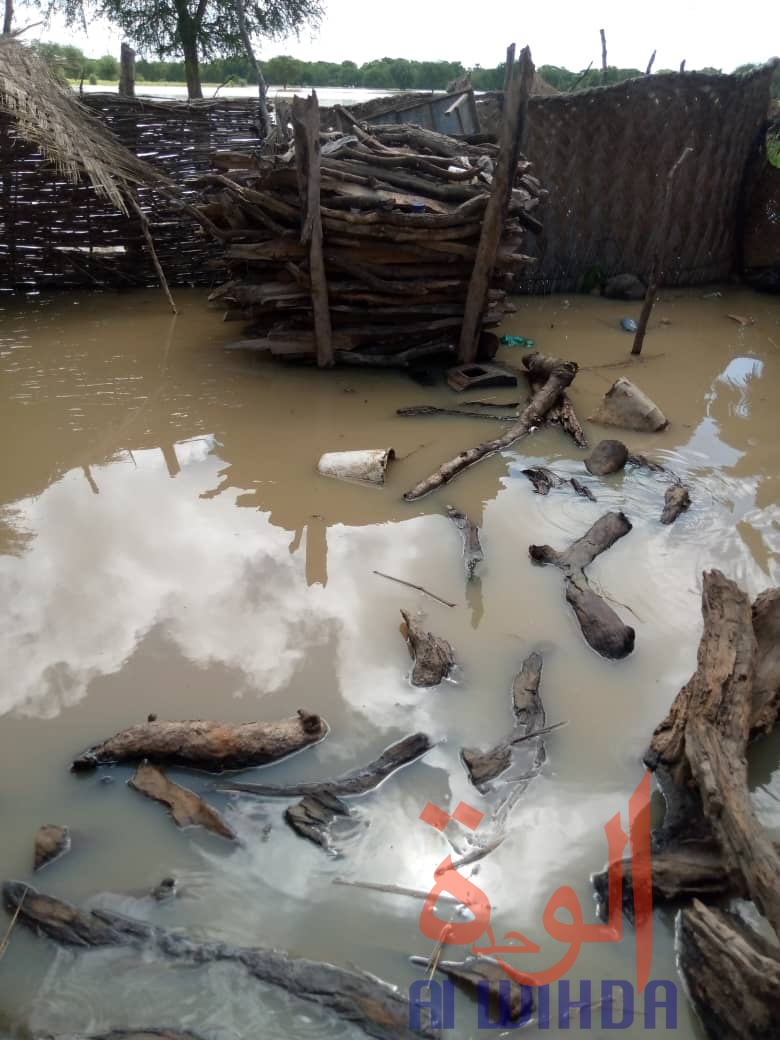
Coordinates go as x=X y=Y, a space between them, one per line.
x=607 y=457
x=51 y=842
x=626 y=405
x=625 y=287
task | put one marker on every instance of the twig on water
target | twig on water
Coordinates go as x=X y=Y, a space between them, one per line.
x=389 y=889
x=9 y=931
x=539 y=733
x=417 y=588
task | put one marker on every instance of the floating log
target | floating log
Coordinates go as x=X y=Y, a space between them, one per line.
x=362 y=1000
x=542 y=479
x=731 y=973
x=472 y=550
x=51 y=842
x=187 y=808
x=557 y=375
x=514 y=1001
x=313 y=815
x=582 y=489
x=356 y=782
x=459 y=413
x=433 y=657
x=676 y=500
x=524 y=747
x=208 y=745
x=600 y=625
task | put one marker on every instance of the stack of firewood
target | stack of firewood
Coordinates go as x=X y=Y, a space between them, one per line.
x=359 y=247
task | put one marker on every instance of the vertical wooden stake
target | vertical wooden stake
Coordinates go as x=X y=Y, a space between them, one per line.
x=603 y=57
x=512 y=131
x=306 y=124
x=127 y=71
x=656 y=273
x=649 y=68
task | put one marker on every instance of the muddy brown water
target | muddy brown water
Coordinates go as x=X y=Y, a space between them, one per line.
x=168 y=547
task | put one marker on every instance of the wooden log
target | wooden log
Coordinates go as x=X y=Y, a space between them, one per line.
x=529 y=718
x=356 y=782
x=433 y=657
x=557 y=376
x=359 y=999
x=564 y=415
x=472 y=550
x=187 y=808
x=766 y=683
x=676 y=500
x=312 y=817
x=306 y=126
x=207 y=745
x=459 y=413
x=512 y=129
x=507 y=1001
x=603 y=57
x=600 y=625
x=731 y=973
x=126 y=71
x=656 y=274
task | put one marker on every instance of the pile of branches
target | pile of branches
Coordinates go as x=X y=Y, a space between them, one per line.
x=360 y=247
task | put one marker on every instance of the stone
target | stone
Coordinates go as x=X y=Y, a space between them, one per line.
x=607 y=457
x=627 y=406
x=51 y=841
x=625 y=287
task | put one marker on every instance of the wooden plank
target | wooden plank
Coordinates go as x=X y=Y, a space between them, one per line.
x=515 y=103
x=306 y=125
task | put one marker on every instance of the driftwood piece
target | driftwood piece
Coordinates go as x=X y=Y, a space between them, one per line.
x=467 y=975
x=766 y=681
x=600 y=625
x=582 y=489
x=662 y=230
x=51 y=842
x=676 y=500
x=512 y=130
x=126 y=1034
x=208 y=745
x=306 y=127
x=542 y=479
x=472 y=550
x=518 y=750
x=731 y=973
x=557 y=375
x=459 y=413
x=187 y=808
x=607 y=457
x=362 y=1000
x=313 y=815
x=563 y=414
x=433 y=657
x=417 y=588
x=356 y=782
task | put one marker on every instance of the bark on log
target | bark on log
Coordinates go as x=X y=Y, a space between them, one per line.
x=557 y=375
x=433 y=657
x=766 y=682
x=600 y=625
x=467 y=975
x=527 y=755
x=472 y=550
x=676 y=500
x=704 y=740
x=512 y=129
x=51 y=842
x=732 y=974
x=356 y=782
x=306 y=124
x=187 y=808
x=207 y=745
x=362 y=1000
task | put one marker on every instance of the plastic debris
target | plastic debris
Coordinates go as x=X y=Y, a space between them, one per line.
x=628 y=324
x=516 y=341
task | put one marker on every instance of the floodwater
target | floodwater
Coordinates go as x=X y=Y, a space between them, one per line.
x=327 y=95
x=168 y=547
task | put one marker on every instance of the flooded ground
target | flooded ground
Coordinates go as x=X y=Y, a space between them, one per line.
x=168 y=547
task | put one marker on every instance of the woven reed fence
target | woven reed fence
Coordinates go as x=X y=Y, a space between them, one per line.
x=604 y=154
x=56 y=234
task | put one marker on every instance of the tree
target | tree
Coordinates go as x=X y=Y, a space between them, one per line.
x=282 y=70
x=106 y=67
x=195 y=29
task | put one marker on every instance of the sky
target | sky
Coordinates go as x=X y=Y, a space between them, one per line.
x=567 y=33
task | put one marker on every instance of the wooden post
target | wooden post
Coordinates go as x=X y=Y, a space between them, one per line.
x=682 y=65
x=658 y=262
x=127 y=71
x=8 y=17
x=603 y=57
x=306 y=125
x=649 y=68
x=512 y=131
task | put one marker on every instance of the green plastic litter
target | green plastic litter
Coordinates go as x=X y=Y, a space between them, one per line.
x=516 y=341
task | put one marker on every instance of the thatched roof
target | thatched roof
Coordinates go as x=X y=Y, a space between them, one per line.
x=49 y=114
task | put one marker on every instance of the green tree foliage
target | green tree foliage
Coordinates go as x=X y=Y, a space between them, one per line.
x=107 y=67
x=197 y=30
